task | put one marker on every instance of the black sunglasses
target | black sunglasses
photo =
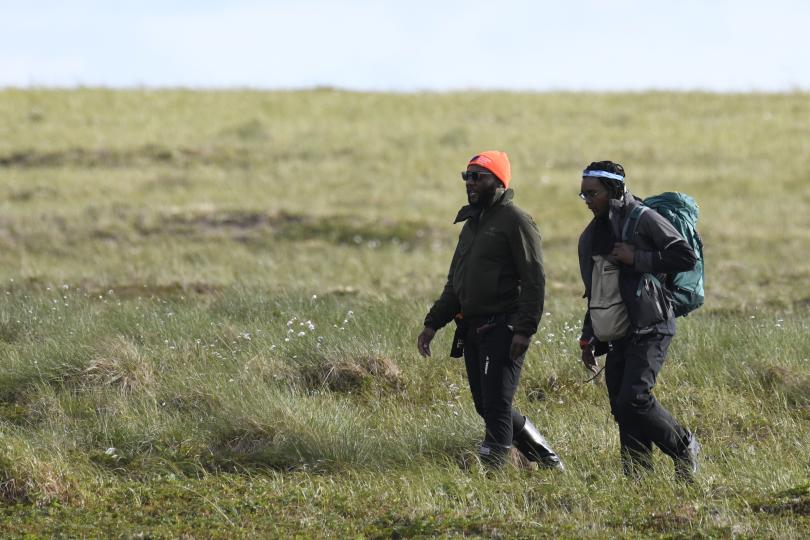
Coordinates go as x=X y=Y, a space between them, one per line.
x=474 y=176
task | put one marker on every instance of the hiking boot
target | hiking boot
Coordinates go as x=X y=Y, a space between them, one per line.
x=535 y=447
x=686 y=466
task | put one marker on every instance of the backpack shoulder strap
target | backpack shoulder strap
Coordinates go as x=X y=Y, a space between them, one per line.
x=632 y=222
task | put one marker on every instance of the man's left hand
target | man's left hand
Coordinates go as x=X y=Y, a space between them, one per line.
x=626 y=253
x=520 y=344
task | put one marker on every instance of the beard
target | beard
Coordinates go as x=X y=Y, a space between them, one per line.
x=482 y=198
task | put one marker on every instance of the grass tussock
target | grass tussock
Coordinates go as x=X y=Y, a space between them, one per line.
x=30 y=476
x=787 y=381
x=354 y=375
x=118 y=362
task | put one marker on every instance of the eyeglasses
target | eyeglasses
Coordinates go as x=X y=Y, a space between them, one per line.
x=474 y=176
x=592 y=194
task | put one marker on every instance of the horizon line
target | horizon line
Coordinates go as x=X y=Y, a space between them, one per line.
x=350 y=90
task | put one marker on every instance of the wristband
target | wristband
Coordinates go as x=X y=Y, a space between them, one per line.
x=585 y=343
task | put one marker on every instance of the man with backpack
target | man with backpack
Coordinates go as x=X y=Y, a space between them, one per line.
x=626 y=254
x=494 y=292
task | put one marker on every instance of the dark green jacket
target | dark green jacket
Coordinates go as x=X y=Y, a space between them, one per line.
x=497 y=268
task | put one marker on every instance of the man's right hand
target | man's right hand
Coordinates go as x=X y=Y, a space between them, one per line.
x=589 y=359
x=424 y=339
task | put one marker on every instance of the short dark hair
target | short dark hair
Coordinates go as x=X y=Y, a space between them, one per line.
x=615 y=188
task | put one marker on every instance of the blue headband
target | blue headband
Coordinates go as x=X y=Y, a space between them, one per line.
x=603 y=174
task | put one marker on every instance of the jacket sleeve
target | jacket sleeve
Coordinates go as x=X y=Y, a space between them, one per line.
x=671 y=254
x=528 y=259
x=448 y=305
x=587 y=328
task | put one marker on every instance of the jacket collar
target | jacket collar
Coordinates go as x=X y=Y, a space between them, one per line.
x=470 y=211
x=619 y=209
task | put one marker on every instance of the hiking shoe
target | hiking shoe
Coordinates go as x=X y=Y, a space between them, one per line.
x=686 y=466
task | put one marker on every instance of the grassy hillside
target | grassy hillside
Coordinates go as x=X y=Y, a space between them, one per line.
x=210 y=304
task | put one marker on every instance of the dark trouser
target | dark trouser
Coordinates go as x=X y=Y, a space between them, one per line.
x=493 y=378
x=630 y=372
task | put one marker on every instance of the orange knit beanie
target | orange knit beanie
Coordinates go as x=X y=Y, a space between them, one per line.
x=496 y=162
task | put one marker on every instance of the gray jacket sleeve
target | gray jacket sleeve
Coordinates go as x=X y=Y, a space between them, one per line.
x=669 y=252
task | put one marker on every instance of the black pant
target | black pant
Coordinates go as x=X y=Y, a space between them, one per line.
x=493 y=378
x=631 y=368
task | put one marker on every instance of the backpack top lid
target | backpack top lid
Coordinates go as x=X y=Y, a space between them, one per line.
x=672 y=204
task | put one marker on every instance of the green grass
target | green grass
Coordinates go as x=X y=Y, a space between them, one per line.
x=210 y=303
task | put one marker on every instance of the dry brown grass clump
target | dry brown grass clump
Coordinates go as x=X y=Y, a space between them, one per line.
x=351 y=375
x=118 y=362
x=33 y=480
x=789 y=381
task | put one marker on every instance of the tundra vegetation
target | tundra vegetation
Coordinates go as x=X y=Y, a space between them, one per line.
x=210 y=302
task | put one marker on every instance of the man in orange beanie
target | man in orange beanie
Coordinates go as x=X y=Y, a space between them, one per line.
x=494 y=291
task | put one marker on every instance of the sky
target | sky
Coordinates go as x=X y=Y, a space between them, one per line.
x=415 y=45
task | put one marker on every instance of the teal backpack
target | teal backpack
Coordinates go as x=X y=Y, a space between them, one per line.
x=686 y=288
